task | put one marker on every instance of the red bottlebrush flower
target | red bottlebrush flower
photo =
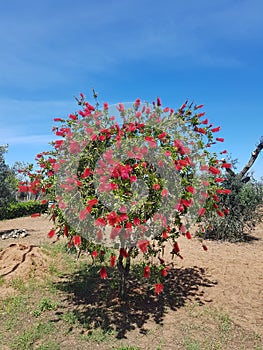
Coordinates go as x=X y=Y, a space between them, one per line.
x=223 y=191
x=201 y=211
x=214 y=170
x=92 y=202
x=77 y=240
x=205 y=121
x=35 y=215
x=224 y=152
x=156 y=187
x=220 y=139
x=143 y=245
x=220 y=179
x=44 y=201
x=103 y=273
x=158 y=288
x=136 y=221
x=164 y=272
x=162 y=135
x=51 y=233
x=124 y=253
x=105 y=106
x=216 y=129
x=199 y=106
x=159 y=103
x=73 y=116
x=176 y=248
x=146 y=272
x=112 y=218
x=86 y=173
x=220 y=213
x=164 y=234
x=200 y=114
x=226 y=211
x=83 y=214
x=113 y=260
x=226 y=165
x=100 y=222
x=66 y=231
x=188 y=235
x=165 y=192
x=133 y=178
x=204 y=247
x=94 y=254
x=190 y=189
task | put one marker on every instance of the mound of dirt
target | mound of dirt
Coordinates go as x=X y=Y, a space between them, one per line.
x=23 y=261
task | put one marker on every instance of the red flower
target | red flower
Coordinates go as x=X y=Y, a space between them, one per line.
x=226 y=165
x=77 y=240
x=112 y=260
x=136 y=221
x=164 y=272
x=188 y=235
x=103 y=273
x=51 y=233
x=100 y=222
x=66 y=231
x=156 y=187
x=220 y=139
x=165 y=192
x=220 y=213
x=159 y=103
x=199 y=106
x=146 y=272
x=158 y=288
x=190 y=189
x=216 y=129
x=143 y=245
x=86 y=173
x=201 y=211
x=112 y=218
x=176 y=247
x=124 y=253
x=94 y=254
x=214 y=170
x=223 y=191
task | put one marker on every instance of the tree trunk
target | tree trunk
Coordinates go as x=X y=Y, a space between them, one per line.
x=124 y=271
x=249 y=164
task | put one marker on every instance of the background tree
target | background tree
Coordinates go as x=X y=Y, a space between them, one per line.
x=8 y=183
x=243 y=203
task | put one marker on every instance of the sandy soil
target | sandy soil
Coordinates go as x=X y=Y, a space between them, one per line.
x=235 y=269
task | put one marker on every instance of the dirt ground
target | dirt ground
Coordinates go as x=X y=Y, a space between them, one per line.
x=234 y=270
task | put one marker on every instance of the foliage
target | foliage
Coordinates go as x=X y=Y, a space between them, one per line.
x=245 y=210
x=7 y=181
x=131 y=185
x=19 y=209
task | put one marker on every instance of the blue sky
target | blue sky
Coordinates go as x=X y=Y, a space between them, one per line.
x=208 y=51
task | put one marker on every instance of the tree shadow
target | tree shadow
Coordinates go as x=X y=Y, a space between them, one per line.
x=95 y=303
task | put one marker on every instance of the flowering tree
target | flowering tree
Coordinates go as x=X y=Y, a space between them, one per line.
x=127 y=180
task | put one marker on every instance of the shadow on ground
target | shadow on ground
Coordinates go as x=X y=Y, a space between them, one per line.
x=95 y=303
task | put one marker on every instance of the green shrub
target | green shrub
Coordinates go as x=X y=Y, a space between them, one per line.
x=245 y=210
x=19 y=209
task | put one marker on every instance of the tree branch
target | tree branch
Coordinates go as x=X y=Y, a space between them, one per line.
x=252 y=159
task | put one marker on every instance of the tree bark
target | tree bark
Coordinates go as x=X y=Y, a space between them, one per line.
x=249 y=164
x=124 y=271
x=252 y=159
